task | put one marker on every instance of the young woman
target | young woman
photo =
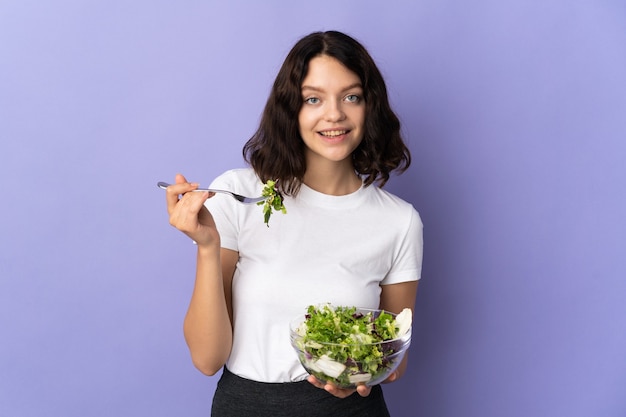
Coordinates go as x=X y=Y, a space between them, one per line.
x=330 y=139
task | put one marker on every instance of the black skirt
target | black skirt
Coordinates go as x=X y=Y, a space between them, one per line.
x=239 y=397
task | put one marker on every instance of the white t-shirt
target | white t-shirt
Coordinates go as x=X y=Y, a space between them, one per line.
x=326 y=249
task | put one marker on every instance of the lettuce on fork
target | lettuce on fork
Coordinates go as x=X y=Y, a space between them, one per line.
x=274 y=201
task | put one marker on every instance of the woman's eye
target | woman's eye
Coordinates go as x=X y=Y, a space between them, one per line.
x=312 y=100
x=353 y=98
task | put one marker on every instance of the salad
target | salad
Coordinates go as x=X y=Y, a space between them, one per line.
x=349 y=346
x=274 y=201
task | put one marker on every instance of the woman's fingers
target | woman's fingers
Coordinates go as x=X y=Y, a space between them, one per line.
x=362 y=390
x=394 y=375
x=184 y=206
x=181 y=187
x=184 y=214
x=316 y=382
x=187 y=212
x=180 y=179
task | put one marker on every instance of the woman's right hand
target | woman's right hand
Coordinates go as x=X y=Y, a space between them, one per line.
x=188 y=213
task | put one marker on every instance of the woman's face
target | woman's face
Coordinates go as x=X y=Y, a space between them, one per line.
x=333 y=111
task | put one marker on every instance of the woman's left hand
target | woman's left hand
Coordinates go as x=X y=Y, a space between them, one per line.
x=362 y=390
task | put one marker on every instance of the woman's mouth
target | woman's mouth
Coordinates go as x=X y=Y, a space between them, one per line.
x=331 y=134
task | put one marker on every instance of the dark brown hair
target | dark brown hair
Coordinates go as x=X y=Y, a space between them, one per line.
x=277 y=152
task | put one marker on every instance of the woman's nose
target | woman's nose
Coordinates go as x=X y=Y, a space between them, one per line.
x=334 y=112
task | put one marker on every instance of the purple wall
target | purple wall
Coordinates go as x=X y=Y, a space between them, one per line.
x=516 y=115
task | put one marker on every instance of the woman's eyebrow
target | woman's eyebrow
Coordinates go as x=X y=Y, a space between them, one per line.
x=319 y=89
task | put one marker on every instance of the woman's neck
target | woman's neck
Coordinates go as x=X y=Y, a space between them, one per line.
x=333 y=178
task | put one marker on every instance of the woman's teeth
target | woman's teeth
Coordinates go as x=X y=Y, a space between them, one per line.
x=333 y=133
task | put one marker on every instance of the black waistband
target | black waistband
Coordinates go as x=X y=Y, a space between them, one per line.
x=240 y=397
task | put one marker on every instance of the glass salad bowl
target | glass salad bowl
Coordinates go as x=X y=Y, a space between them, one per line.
x=350 y=346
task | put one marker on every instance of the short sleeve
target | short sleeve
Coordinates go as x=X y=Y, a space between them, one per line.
x=407 y=264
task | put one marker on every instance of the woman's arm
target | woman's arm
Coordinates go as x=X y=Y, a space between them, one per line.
x=395 y=298
x=207 y=325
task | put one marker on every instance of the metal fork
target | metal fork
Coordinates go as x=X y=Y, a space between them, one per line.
x=240 y=198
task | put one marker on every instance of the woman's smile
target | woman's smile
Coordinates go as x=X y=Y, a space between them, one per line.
x=334 y=135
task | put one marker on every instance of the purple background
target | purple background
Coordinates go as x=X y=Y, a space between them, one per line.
x=516 y=116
